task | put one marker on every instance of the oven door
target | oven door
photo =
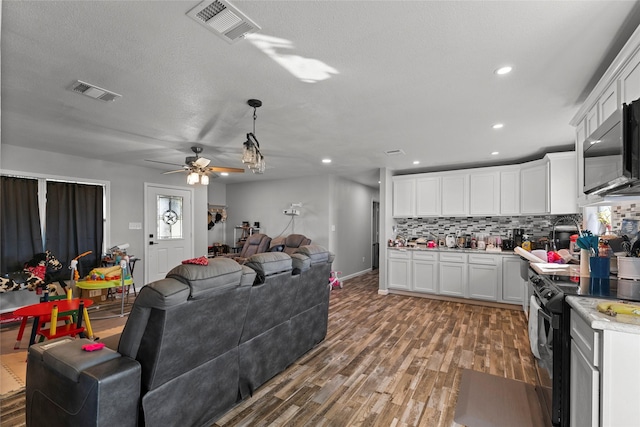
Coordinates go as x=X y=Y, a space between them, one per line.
x=541 y=334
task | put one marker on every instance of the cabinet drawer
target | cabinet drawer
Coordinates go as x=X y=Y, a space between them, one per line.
x=399 y=254
x=426 y=256
x=483 y=259
x=446 y=256
x=585 y=338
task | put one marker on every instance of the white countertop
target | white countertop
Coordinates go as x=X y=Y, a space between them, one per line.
x=441 y=249
x=587 y=309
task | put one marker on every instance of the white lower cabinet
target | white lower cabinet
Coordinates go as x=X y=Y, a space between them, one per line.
x=399 y=270
x=425 y=272
x=584 y=390
x=513 y=287
x=453 y=274
x=604 y=375
x=484 y=276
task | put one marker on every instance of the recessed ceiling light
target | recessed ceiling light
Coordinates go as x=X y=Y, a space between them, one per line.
x=498 y=126
x=495 y=153
x=503 y=70
x=224 y=173
x=416 y=162
x=326 y=160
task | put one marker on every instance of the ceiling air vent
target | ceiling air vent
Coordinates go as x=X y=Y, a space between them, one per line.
x=223 y=19
x=94 y=92
x=396 y=152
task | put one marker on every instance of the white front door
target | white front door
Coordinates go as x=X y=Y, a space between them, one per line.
x=168 y=229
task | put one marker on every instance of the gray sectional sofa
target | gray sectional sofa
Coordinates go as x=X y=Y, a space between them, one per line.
x=195 y=344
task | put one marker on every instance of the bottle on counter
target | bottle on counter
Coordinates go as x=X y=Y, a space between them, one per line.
x=526 y=243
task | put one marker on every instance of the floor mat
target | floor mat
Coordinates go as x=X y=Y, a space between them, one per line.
x=487 y=400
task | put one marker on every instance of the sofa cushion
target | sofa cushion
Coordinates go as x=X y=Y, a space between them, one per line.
x=317 y=254
x=300 y=263
x=220 y=274
x=269 y=263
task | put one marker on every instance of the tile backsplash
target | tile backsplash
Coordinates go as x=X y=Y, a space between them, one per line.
x=536 y=225
x=623 y=211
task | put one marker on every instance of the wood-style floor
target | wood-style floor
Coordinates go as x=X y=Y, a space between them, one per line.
x=386 y=361
x=390 y=361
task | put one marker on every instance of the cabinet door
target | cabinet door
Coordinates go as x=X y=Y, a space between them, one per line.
x=483 y=281
x=563 y=174
x=428 y=196
x=533 y=189
x=484 y=193
x=455 y=195
x=399 y=273
x=510 y=192
x=425 y=276
x=404 y=196
x=608 y=102
x=584 y=387
x=512 y=284
x=592 y=120
x=630 y=81
x=453 y=279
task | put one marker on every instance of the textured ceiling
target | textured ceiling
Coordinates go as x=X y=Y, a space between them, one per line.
x=347 y=80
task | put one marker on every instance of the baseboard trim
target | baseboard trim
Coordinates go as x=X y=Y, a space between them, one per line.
x=454 y=299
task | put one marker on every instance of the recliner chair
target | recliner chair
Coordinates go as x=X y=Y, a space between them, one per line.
x=289 y=244
x=255 y=244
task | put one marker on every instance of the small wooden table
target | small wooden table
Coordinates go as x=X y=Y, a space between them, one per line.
x=43 y=309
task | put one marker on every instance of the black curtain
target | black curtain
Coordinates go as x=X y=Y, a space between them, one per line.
x=75 y=223
x=19 y=223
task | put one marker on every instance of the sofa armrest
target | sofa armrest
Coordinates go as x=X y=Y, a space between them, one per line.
x=69 y=386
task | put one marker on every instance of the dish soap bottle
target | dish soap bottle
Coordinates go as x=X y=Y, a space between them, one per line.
x=526 y=244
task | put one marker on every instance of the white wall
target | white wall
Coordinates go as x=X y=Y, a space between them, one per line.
x=126 y=191
x=265 y=201
x=326 y=201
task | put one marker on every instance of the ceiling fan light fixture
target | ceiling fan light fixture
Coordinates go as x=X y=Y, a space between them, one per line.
x=193 y=178
x=204 y=179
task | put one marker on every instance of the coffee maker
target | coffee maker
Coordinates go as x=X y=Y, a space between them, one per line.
x=517 y=236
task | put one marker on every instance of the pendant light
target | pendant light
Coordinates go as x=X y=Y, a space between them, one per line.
x=251 y=154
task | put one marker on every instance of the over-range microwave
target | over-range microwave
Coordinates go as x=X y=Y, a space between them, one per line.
x=612 y=154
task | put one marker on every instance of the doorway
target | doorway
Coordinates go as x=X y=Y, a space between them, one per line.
x=375 y=236
x=168 y=229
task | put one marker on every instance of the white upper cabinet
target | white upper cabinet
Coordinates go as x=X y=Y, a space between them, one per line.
x=534 y=183
x=484 y=192
x=562 y=183
x=455 y=194
x=510 y=191
x=630 y=81
x=428 y=196
x=619 y=84
x=592 y=120
x=404 y=196
x=608 y=103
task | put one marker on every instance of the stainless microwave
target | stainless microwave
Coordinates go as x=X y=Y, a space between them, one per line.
x=612 y=154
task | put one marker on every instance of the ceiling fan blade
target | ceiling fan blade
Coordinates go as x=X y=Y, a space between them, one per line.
x=224 y=169
x=201 y=162
x=164 y=163
x=178 y=170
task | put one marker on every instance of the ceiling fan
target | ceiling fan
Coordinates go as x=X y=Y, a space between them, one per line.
x=198 y=168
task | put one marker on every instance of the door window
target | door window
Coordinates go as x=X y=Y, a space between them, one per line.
x=169 y=217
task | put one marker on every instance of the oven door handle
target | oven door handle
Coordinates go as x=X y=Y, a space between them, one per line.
x=553 y=320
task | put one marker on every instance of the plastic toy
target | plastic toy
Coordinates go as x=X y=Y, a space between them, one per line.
x=334 y=280
x=93 y=347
